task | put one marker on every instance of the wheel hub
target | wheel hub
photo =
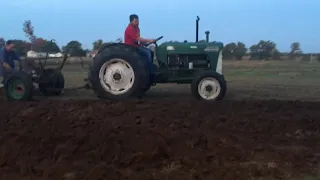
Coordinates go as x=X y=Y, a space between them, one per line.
x=19 y=88
x=16 y=88
x=209 y=88
x=116 y=76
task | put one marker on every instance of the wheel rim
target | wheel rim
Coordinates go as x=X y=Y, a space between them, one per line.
x=116 y=76
x=16 y=88
x=209 y=88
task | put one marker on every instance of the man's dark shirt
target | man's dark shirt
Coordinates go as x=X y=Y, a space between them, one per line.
x=131 y=35
x=7 y=56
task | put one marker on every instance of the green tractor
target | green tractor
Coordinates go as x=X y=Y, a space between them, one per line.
x=118 y=71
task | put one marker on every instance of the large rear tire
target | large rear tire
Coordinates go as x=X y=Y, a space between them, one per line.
x=18 y=86
x=119 y=72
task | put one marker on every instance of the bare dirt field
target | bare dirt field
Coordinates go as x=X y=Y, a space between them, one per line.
x=168 y=135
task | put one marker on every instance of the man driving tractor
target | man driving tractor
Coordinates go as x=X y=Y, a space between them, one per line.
x=132 y=37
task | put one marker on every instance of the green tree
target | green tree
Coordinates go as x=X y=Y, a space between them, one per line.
x=228 y=50
x=51 y=47
x=43 y=45
x=86 y=50
x=276 y=55
x=254 y=52
x=234 y=50
x=39 y=44
x=74 y=48
x=295 y=50
x=97 y=44
x=240 y=50
x=28 y=29
x=263 y=50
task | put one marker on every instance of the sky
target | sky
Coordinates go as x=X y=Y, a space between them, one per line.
x=282 y=21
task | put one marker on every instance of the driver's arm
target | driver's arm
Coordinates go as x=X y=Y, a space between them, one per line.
x=144 y=41
x=136 y=36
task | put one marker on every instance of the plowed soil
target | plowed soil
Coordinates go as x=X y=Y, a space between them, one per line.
x=159 y=139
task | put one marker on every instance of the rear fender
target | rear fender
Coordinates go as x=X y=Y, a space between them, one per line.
x=119 y=45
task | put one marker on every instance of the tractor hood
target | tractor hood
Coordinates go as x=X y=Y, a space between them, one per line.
x=191 y=47
x=203 y=55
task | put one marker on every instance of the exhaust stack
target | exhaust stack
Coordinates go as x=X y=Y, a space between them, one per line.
x=197 y=29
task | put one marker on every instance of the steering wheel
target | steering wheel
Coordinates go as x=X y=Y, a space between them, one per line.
x=155 y=42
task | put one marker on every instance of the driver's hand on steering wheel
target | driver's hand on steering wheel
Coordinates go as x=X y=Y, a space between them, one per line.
x=152 y=40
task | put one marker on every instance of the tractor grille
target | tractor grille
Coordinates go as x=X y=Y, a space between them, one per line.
x=182 y=60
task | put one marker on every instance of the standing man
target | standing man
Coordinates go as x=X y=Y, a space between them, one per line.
x=132 y=37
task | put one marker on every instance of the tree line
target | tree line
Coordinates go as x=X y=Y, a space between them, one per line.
x=262 y=50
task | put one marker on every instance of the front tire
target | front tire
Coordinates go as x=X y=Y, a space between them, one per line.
x=119 y=72
x=209 y=86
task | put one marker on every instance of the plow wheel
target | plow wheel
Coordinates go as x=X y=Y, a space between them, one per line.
x=18 y=86
x=51 y=82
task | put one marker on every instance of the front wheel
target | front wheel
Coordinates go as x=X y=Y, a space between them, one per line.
x=209 y=86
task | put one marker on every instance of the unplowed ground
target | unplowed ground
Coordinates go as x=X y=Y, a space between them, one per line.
x=176 y=139
x=246 y=80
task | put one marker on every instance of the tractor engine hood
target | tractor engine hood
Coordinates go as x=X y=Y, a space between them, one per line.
x=191 y=47
x=202 y=55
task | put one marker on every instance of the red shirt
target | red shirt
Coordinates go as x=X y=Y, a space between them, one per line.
x=131 y=35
